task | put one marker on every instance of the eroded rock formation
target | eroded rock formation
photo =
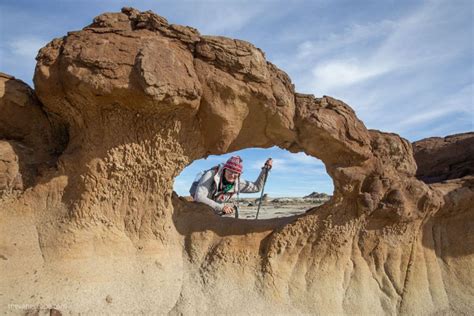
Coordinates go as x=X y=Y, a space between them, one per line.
x=440 y=159
x=137 y=99
x=30 y=140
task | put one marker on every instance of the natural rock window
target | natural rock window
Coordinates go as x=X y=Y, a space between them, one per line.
x=121 y=107
x=296 y=183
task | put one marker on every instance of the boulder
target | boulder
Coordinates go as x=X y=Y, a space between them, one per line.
x=444 y=158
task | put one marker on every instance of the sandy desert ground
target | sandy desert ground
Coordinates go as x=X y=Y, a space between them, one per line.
x=278 y=207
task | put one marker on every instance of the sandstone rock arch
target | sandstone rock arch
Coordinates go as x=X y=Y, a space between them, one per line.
x=140 y=99
x=197 y=95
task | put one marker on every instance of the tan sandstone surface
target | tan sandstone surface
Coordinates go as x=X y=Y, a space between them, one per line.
x=89 y=222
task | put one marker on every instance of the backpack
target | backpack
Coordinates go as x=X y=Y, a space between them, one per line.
x=197 y=179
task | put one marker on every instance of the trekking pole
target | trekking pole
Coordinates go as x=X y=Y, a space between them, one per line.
x=263 y=188
x=236 y=207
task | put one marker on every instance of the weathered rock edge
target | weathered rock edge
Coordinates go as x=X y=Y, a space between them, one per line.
x=141 y=99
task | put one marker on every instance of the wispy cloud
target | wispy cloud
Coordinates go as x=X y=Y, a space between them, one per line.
x=302 y=158
x=447 y=111
x=17 y=56
x=340 y=73
x=229 y=20
x=20 y=44
x=403 y=45
x=287 y=162
x=354 y=34
x=26 y=47
x=227 y=17
x=395 y=72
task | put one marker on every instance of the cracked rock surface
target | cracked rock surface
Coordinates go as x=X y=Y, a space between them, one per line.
x=124 y=105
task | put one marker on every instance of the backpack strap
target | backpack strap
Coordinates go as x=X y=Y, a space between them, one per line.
x=215 y=169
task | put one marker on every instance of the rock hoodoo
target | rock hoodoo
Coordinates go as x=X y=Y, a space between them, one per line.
x=122 y=106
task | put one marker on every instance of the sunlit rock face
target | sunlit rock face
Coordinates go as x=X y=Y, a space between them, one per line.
x=133 y=100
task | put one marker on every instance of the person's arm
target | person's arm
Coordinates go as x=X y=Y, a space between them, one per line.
x=203 y=189
x=252 y=187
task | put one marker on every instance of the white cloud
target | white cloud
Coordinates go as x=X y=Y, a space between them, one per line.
x=227 y=17
x=26 y=47
x=353 y=34
x=461 y=102
x=423 y=117
x=302 y=158
x=284 y=169
x=364 y=52
x=339 y=73
x=17 y=56
x=400 y=75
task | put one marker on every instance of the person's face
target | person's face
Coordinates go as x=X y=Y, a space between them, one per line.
x=230 y=175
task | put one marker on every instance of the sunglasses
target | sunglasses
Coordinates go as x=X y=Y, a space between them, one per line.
x=232 y=173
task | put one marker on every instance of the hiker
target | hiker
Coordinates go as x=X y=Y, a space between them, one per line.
x=217 y=185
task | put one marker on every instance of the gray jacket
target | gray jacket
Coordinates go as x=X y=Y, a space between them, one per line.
x=206 y=191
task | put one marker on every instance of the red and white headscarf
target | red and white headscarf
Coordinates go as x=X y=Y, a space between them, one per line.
x=234 y=164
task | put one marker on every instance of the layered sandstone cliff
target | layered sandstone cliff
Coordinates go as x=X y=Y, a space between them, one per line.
x=122 y=106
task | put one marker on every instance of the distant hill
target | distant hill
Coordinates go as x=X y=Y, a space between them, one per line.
x=316 y=195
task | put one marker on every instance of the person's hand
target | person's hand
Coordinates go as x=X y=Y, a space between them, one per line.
x=268 y=164
x=227 y=209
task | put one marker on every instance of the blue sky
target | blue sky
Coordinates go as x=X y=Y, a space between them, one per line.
x=404 y=66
